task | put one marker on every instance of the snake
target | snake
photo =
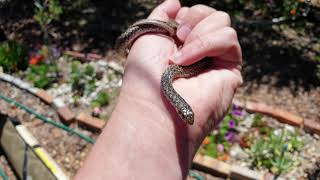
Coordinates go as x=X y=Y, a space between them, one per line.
x=173 y=71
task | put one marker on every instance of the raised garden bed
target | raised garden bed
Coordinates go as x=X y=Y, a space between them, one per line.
x=262 y=144
x=246 y=145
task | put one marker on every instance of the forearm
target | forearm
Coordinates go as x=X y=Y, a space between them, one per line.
x=142 y=142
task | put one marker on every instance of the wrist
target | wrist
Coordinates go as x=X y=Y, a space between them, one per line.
x=154 y=133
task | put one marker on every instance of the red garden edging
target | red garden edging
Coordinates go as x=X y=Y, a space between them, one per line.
x=66 y=115
x=281 y=115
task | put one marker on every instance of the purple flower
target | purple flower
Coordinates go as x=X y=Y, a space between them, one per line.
x=236 y=113
x=232 y=124
x=236 y=110
x=229 y=136
x=220 y=148
x=55 y=51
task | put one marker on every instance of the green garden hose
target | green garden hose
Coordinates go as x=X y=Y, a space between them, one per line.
x=3 y=174
x=47 y=120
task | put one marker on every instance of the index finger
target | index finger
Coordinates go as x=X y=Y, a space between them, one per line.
x=222 y=44
x=166 y=11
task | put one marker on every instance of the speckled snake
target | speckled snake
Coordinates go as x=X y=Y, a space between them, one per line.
x=125 y=41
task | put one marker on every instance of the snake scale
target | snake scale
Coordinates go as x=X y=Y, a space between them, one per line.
x=146 y=26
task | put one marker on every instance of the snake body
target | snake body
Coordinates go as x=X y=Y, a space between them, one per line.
x=125 y=41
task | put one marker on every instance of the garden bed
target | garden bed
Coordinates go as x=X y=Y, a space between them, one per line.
x=245 y=140
x=261 y=143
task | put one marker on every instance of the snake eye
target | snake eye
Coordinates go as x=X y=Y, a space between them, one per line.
x=187 y=115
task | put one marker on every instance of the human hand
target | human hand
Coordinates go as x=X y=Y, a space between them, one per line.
x=205 y=32
x=145 y=138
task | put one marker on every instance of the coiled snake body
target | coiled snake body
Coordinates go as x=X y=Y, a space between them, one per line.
x=125 y=41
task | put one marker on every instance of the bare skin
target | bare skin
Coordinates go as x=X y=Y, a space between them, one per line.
x=144 y=138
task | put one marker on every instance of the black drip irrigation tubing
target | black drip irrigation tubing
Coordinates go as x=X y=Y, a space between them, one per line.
x=46 y=120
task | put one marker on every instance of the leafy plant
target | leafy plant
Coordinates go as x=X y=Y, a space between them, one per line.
x=82 y=80
x=102 y=99
x=221 y=140
x=13 y=56
x=42 y=75
x=45 y=13
x=275 y=151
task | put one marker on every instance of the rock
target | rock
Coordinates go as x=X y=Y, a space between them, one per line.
x=58 y=102
x=237 y=152
x=102 y=63
x=289 y=128
x=90 y=122
x=99 y=75
x=247 y=121
x=66 y=114
x=47 y=98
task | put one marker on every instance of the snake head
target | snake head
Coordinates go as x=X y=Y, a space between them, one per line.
x=187 y=115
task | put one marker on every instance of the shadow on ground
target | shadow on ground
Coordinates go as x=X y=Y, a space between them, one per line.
x=281 y=65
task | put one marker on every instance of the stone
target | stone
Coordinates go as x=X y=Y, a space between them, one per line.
x=102 y=63
x=25 y=85
x=37 y=122
x=66 y=114
x=115 y=66
x=6 y=77
x=58 y=102
x=237 y=152
x=43 y=95
x=33 y=90
x=90 y=122
x=312 y=126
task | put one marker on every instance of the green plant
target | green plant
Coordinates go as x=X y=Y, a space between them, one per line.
x=275 y=151
x=102 y=99
x=82 y=80
x=42 y=75
x=221 y=140
x=45 y=13
x=260 y=124
x=13 y=56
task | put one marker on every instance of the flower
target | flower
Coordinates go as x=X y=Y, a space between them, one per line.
x=35 y=59
x=220 y=148
x=206 y=141
x=236 y=110
x=232 y=124
x=224 y=157
x=229 y=136
x=55 y=51
x=293 y=12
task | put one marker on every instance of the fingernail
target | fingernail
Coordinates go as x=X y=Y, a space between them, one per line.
x=176 y=57
x=183 y=31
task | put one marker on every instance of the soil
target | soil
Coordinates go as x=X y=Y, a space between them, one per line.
x=68 y=150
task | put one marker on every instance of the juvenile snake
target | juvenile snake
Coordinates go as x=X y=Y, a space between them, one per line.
x=125 y=41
